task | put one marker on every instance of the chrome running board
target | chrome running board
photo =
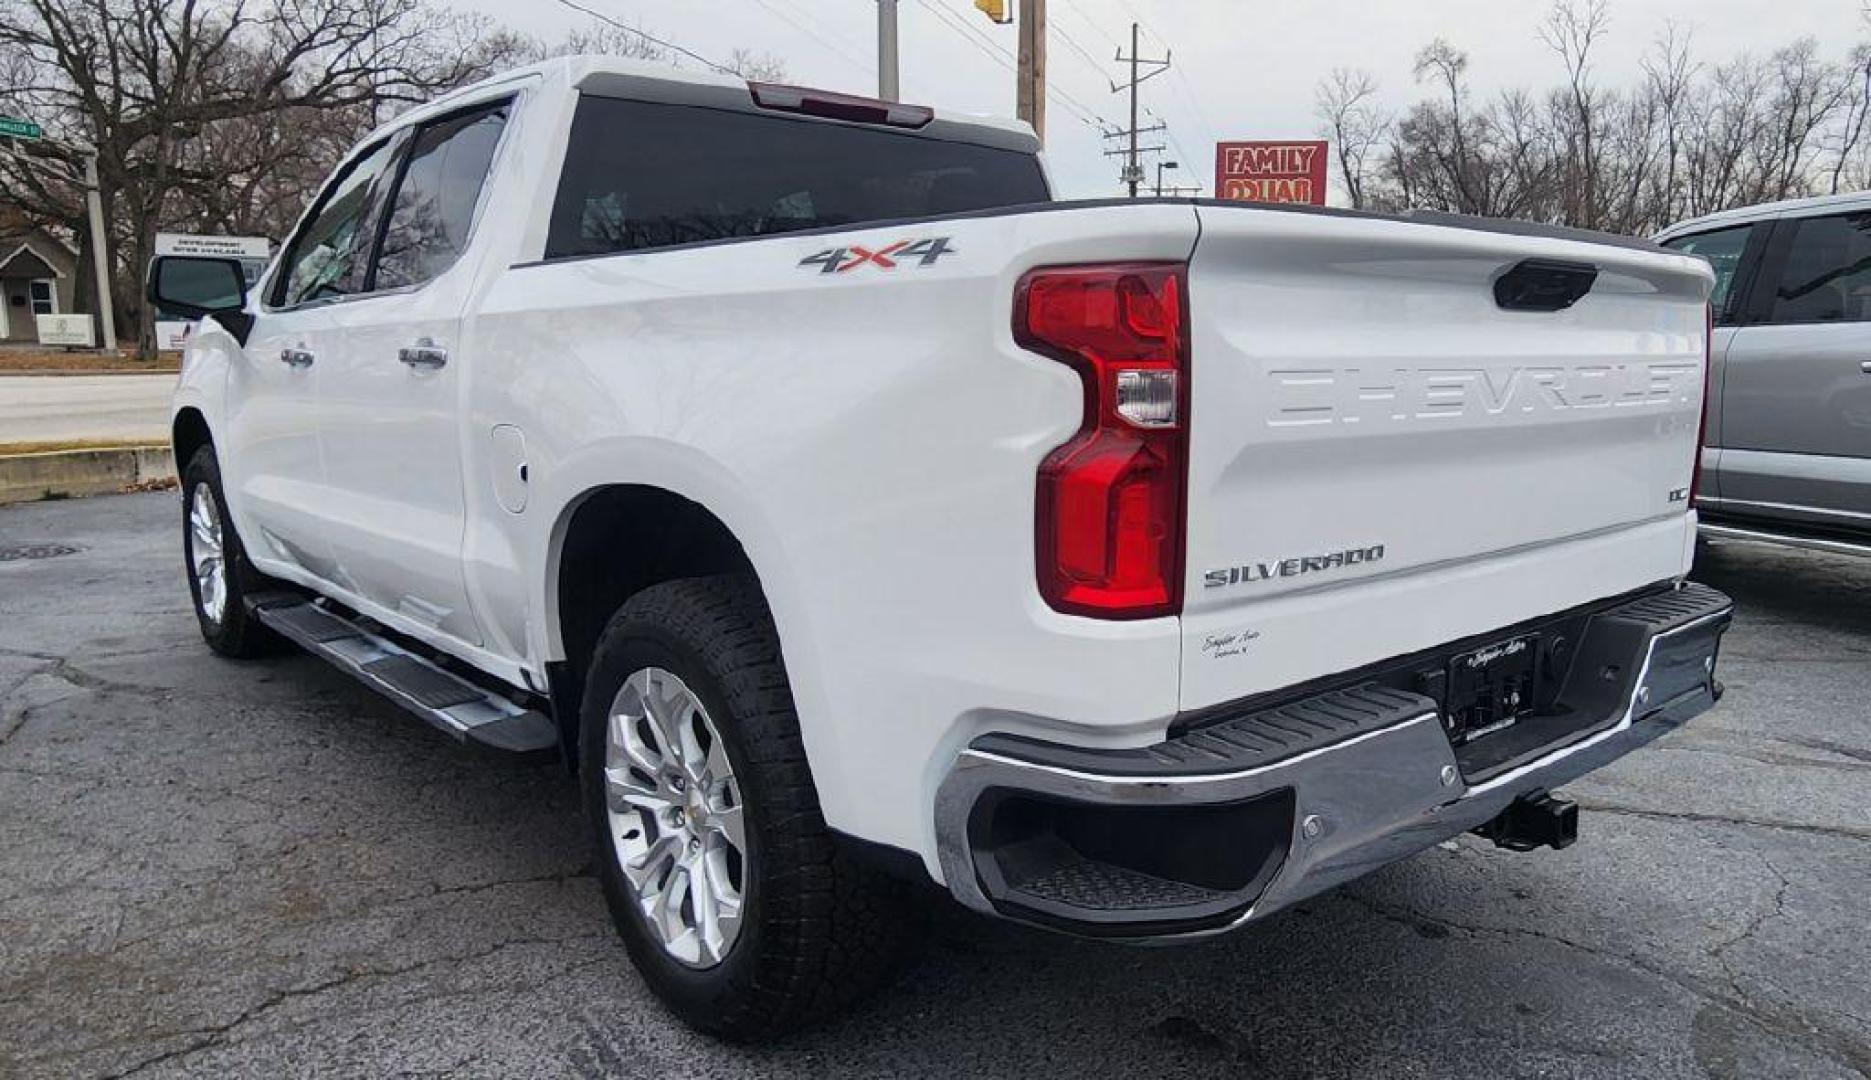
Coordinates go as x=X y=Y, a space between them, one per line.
x=449 y=702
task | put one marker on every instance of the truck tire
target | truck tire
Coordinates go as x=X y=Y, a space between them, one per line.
x=219 y=576
x=734 y=901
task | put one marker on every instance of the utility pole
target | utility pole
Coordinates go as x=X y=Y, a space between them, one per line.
x=94 y=209
x=1030 y=79
x=887 y=50
x=1133 y=169
x=1029 y=76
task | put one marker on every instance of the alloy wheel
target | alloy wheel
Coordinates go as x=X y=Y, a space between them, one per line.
x=207 y=560
x=675 y=816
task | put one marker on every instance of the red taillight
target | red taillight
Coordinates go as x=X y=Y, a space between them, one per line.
x=1110 y=500
x=1702 y=417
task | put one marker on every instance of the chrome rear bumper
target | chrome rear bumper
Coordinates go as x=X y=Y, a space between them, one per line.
x=1240 y=818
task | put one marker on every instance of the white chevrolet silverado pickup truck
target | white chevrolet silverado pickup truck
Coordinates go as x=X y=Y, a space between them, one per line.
x=848 y=514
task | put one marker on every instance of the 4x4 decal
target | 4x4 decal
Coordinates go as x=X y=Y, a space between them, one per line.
x=840 y=259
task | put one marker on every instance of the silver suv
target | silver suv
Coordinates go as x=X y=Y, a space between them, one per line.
x=1788 y=452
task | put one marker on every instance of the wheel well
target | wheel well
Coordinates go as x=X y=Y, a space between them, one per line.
x=189 y=434
x=620 y=541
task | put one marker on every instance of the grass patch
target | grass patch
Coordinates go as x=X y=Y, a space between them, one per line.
x=57 y=446
x=158 y=483
x=17 y=360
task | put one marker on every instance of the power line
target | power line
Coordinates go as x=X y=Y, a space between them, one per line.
x=823 y=39
x=649 y=37
x=1181 y=82
x=1136 y=18
x=1096 y=65
x=1093 y=23
x=1085 y=112
x=999 y=54
x=1182 y=153
x=1188 y=163
x=1072 y=42
x=1179 y=79
x=994 y=49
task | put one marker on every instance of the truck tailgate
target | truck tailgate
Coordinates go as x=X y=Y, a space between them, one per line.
x=1383 y=458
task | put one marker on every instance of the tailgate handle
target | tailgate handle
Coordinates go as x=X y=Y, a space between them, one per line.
x=1543 y=285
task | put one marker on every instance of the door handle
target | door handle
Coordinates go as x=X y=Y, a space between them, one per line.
x=296 y=356
x=1865 y=367
x=424 y=354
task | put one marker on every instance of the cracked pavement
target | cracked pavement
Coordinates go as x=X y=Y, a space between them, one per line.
x=260 y=869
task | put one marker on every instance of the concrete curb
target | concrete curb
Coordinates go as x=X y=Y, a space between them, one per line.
x=61 y=473
x=41 y=373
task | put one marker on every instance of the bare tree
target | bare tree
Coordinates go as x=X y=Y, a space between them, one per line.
x=1809 y=93
x=1571 y=29
x=1848 y=165
x=1669 y=78
x=756 y=67
x=608 y=39
x=150 y=84
x=1351 y=122
x=1446 y=132
x=1687 y=138
x=631 y=43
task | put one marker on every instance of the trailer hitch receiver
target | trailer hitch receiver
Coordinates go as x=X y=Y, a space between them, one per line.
x=1534 y=820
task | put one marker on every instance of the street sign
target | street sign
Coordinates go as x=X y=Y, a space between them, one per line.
x=1273 y=172
x=220 y=247
x=20 y=129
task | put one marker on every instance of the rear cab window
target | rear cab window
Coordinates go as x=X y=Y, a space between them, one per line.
x=642 y=175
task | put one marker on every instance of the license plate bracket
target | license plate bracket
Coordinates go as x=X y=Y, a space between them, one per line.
x=1491 y=688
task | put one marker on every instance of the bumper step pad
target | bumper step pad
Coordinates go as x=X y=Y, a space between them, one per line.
x=461 y=708
x=1094 y=886
x=1673 y=610
x=1249 y=741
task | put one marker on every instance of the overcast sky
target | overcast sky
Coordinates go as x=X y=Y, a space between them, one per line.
x=1243 y=69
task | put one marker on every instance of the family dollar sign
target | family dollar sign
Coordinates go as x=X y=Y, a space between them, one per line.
x=1273 y=172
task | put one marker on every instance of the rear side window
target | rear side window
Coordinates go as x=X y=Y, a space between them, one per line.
x=640 y=175
x=1827 y=273
x=1723 y=249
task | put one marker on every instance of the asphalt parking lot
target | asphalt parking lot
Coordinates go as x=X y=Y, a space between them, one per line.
x=260 y=869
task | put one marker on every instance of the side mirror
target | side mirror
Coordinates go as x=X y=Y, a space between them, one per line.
x=193 y=287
